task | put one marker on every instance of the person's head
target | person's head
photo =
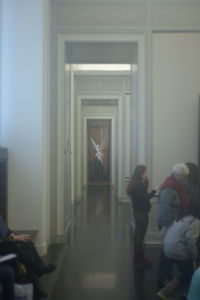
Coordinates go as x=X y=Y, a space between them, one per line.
x=193 y=176
x=180 y=171
x=139 y=175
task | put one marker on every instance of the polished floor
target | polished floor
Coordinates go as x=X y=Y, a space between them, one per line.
x=96 y=261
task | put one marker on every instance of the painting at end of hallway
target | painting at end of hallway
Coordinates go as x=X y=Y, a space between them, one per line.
x=98 y=150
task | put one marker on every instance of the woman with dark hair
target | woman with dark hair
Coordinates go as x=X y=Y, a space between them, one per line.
x=140 y=198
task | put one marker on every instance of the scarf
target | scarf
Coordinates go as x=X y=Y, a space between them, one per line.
x=173 y=183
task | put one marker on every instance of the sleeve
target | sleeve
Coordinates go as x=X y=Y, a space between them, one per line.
x=191 y=235
x=142 y=189
x=164 y=217
x=141 y=197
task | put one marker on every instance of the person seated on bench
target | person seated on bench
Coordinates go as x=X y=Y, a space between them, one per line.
x=23 y=247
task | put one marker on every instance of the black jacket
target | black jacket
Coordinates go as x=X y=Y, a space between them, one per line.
x=141 y=198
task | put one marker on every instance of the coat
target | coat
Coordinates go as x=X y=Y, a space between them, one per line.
x=180 y=239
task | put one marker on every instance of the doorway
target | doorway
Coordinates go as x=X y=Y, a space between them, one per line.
x=98 y=118
x=73 y=48
x=98 y=170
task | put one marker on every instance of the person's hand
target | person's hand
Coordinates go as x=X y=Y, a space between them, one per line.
x=156 y=189
x=21 y=237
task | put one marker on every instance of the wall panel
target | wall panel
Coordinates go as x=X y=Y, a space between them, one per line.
x=176 y=86
x=98 y=15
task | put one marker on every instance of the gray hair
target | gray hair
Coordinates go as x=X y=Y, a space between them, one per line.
x=180 y=169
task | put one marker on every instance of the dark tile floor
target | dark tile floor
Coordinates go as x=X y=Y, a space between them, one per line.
x=96 y=264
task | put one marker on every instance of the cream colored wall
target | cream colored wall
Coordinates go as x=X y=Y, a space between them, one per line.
x=176 y=88
x=135 y=15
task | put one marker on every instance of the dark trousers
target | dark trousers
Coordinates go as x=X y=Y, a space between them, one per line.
x=26 y=253
x=141 y=224
x=166 y=265
x=7 y=279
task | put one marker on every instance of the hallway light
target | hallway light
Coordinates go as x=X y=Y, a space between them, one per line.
x=103 y=67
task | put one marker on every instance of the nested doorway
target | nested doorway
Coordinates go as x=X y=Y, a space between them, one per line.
x=99 y=149
x=98 y=129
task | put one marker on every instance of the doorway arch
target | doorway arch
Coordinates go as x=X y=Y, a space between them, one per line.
x=64 y=107
x=116 y=121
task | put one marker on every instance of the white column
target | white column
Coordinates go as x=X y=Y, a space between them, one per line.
x=24 y=113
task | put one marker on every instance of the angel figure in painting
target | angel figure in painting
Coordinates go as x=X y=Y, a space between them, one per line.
x=98 y=163
x=99 y=148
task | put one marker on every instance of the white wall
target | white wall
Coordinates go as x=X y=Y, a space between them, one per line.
x=176 y=88
x=23 y=117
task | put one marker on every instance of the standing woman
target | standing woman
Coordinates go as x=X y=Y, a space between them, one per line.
x=138 y=191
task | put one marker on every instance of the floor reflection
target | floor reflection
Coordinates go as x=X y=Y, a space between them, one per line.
x=96 y=281
x=138 y=283
x=97 y=262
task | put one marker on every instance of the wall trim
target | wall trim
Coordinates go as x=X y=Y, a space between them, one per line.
x=131 y=15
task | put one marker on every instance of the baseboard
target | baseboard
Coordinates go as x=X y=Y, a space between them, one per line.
x=78 y=199
x=124 y=199
x=61 y=238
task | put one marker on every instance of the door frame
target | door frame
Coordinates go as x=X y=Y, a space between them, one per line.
x=117 y=154
x=138 y=142
x=111 y=151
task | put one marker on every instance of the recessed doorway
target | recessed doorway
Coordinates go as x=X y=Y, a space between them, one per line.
x=98 y=132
